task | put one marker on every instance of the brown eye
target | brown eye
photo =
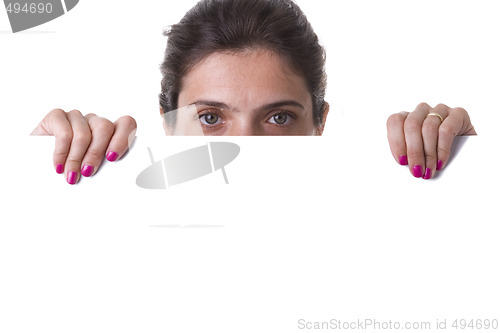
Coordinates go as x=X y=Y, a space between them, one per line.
x=280 y=118
x=209 y=119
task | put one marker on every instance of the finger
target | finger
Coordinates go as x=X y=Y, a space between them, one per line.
x=396 y=137
x=79 y=144
x=413 y=138
x=430 y=130
x=125 y=128
x=102 y=131
x=57 y=124
x=457 y=123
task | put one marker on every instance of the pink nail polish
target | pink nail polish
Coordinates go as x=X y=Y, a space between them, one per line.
x=403 y=160
x=111 y=156
x=428 y=173
x=439 y=165
x=72 y=178
x=59 y=168
x=87 y=170
x=417 y=171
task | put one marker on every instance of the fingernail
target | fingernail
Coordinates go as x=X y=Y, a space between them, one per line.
x=428 y=173
x=417 y=171
x=87 y=170
x=59 y=168
x=71 y=178
x=111 y=156
x=403 y=160
x=439 y=165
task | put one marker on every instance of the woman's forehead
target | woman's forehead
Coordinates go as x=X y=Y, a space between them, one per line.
x=248 y=74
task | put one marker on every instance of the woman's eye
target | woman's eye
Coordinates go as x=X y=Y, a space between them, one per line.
x=279 y=118
x=209 y=119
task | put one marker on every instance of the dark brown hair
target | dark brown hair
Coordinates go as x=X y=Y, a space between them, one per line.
x=225 y=25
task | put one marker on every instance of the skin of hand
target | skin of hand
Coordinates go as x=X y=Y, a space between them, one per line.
x=422 y=141
x=83 y=141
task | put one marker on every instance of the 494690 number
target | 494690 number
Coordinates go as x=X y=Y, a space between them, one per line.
x=29 y=8
x=475 y=324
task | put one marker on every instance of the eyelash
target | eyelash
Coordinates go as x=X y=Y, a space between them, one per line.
x=215 y=112
x=290 y=117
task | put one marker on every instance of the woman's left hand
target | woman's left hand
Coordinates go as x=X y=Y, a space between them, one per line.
x=422 y=139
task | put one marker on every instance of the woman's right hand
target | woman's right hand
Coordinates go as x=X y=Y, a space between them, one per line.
x=83 y=141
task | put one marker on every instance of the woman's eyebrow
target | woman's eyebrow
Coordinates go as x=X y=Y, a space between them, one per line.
x=270 y=106
x=281 y=104
x=214 y=104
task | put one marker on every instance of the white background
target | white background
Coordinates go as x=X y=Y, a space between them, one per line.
x=308 y=228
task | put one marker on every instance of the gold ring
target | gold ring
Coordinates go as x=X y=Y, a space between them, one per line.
x=437 y=115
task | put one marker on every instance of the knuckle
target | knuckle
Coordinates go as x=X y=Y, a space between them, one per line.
x=423 y=105
x=412 y=125
x=429 y=128
x=415 y=155
x=128 y=121
x=75 y=112
x=430 y=157
x=443 y=151
x=73 y=163
x=446 y=131
x=396 y=119
x=104 y=126
x=460 y=112
x=94 y=155
x=81 y=138
x=60 y=155
x=55 y=115
x=441 y=106
x=65 y=137
x=57 y=112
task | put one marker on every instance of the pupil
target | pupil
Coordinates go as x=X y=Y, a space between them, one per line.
x=280 y=118
x=211 y=119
